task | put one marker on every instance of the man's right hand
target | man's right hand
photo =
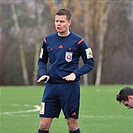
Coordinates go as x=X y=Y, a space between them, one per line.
x=43 y=78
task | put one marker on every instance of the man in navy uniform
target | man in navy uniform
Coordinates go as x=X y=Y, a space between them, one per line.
x=63 y=49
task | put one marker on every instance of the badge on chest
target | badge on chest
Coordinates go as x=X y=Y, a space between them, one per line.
x=68 y=56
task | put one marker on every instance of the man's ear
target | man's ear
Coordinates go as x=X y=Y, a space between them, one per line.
x=130 y=97
x=70 y=21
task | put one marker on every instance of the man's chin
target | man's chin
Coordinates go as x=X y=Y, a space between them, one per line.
x=61 y=32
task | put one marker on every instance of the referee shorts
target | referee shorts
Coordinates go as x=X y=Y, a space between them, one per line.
x=65 y=96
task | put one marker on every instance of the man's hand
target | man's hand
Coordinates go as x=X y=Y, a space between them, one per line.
x=70 y=77
x=43 y=78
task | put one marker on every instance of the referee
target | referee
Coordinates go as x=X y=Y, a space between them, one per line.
x=62 y=91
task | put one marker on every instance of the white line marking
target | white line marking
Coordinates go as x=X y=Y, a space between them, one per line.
x=36 y=108
x=104 y=116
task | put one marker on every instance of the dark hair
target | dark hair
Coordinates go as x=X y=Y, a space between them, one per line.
x=124 y=93
x=64 y=11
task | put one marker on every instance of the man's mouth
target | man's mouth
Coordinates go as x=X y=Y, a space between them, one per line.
x=59 y=28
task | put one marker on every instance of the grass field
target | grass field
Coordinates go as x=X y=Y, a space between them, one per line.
x=99 y=111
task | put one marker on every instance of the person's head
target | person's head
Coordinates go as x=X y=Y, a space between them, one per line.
x=63 y=21
x=125 y=96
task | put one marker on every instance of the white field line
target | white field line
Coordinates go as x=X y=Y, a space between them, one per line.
x=104 y=116
x=35 y=109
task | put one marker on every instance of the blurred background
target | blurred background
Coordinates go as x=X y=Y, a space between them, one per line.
x=106 y=25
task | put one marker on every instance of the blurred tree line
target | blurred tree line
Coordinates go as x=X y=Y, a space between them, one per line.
x=107 y=26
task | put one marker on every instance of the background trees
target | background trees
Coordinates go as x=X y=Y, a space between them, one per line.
x=106 y=25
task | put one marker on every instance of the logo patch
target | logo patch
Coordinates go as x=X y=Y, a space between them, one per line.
x=74 y=114
x=41 y=52
x=68 y=56
x=42 y=108
x=89 y=53
x=60 y=46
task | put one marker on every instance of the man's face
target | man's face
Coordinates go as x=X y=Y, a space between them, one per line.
x=62 y=24
x=129 y=103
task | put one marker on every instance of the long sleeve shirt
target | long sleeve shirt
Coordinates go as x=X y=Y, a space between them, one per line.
x=59 y=57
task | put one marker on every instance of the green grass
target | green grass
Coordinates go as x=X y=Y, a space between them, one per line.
x=99 y=111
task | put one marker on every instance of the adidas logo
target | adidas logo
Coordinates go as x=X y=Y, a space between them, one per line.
x=60 y=46
x=74 y=113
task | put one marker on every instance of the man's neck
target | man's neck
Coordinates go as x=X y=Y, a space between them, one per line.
x=63 y=34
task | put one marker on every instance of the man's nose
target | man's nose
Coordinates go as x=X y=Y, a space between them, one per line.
x=58 y=23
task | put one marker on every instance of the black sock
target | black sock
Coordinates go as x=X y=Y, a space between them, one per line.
x=42 y=131
x=77 y=131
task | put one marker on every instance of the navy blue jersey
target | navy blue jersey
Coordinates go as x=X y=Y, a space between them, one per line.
x=63 y=54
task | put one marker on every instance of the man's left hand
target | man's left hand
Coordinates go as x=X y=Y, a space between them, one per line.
x=70 y=77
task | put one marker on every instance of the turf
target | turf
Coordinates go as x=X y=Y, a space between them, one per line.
x=99 y=111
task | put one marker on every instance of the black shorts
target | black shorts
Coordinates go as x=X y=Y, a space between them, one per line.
x=65 y=96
